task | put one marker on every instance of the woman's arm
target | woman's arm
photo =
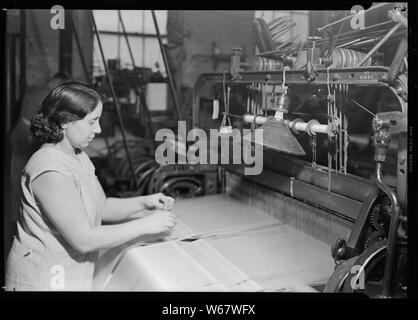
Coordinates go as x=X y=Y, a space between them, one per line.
x=59 y=198
x=117 y=209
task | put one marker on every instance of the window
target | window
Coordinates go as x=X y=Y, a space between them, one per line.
x=143 y=41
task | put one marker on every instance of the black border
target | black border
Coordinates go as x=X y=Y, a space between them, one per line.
x=272 y=304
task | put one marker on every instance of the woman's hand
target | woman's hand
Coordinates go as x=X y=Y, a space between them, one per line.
x=158 y=201
x=160 y=221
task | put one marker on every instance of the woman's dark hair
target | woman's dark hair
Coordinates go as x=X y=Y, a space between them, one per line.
x=70 y=101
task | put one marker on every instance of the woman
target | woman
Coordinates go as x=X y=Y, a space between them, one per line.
x=22 y=145
x=59 y=228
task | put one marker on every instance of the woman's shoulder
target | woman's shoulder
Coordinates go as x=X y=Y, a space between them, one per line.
x=48 y=159
x=86 y=161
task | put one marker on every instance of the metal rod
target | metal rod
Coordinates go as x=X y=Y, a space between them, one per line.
x=126 y=38
x=286 y=43
x=143 y=100
x=345 y=123
x=372 y=35
x=350 y=16
x=276 y=24
x=10 y=82
x=365 y=41
x=248 y=91
x=350 y=42
x=329 y=170
x=80 y=52
x=22 y=53
x=283 y=31
x=278 y=20
x=314 y=150
x=116 y=103
x=380 y=43
x=112 y=158
x=365 y=31
x=143 y=39
x=281 y=27
x=394 y=221
x=141 y=35
x=232 y=115
x=334 y=116
x=359 y=105
x=167 y=68
x=330 y=119
x=340 y=129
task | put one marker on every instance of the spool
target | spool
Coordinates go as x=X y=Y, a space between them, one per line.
x=347 y=58
x=265 y=64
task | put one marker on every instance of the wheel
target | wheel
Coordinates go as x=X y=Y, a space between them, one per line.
x=368 y=277
x=338 y=277
x=144 y=179
x=181 y=187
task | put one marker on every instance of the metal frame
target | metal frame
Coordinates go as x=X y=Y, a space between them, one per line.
x=308 y=186
x=116 y=103
x=131 y=34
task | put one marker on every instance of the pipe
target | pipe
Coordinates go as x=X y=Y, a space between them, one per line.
x=65 y=46
x=117 y=107
x=167 y=68
x=312 y=126
x=277 y=21
x=350 y=42
x=22 y=53
x=394 y=221
x=363 y=32
x=80 y=52
x=249 y=118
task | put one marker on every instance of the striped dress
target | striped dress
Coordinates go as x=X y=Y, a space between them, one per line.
x=40 y=258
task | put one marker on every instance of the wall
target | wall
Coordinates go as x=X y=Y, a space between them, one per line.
x=42 y=46
x=191 y=35
x=228 y=29
x=83 y=27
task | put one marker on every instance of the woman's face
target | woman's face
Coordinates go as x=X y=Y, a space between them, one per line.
x=79 y=133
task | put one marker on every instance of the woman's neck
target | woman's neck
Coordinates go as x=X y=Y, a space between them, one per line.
x=66 y=147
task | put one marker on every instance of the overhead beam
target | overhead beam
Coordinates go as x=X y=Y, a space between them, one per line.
x=133 y=34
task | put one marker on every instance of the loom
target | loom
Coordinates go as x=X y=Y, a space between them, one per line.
x=329 y=195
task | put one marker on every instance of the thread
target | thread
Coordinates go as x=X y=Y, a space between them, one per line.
x=347 y=58
x=265 y=64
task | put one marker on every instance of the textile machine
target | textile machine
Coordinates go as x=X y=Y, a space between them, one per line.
x=327 y=213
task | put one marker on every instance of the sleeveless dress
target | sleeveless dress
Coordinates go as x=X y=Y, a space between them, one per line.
x=40 y=258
